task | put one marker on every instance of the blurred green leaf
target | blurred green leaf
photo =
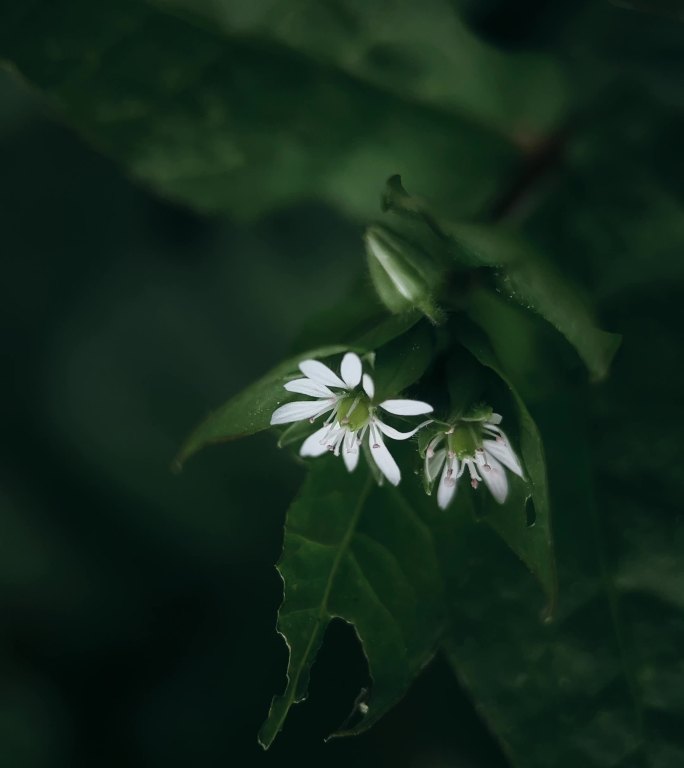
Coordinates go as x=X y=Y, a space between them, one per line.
x=670 y=8
x=227 y=121
x=615 y=218
x=519 y=272
x=360 y=553
x=424 y=53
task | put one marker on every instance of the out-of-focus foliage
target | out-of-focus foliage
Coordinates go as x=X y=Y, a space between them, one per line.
x=138 y=607
x=233 y=122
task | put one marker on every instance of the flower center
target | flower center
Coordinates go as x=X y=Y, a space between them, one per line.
x=464 y=441
x=354 y=412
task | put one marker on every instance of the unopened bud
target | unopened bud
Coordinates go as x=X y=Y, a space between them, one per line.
x=401 y=274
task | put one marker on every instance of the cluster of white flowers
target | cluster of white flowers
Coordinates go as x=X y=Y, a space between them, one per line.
x=347 y=400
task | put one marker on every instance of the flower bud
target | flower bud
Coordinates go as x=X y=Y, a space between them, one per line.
x=402 y=275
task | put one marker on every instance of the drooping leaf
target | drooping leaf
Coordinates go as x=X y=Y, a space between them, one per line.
x=556 y=693
x=528 y=535
x=601 y=685
x=518 y=271
x=224 y=121
x=361 y=553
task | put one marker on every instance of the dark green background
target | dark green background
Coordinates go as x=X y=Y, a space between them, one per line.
x=137 y=607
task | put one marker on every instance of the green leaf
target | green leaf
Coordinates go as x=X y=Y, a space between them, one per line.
x=357 y=319
x=405 y=354
x=520 y=272
x=360 y=553
x=250 y=411
x=403 y=361
x=530 y=539
x=226 y=121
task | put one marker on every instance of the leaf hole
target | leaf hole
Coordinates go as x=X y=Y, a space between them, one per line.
x=530 y=513
x=340 y=681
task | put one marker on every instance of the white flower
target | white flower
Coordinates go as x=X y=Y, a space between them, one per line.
x=475 y=446
x=348 y=399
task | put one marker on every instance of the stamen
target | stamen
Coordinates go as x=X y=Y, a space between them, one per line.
x=375 y=436
x=331 y=431
x=333 y=414
x=498 y=434
x=474 y=477
x=338 y=443
x=474 y=483
x=432 y=445
x=345 y=420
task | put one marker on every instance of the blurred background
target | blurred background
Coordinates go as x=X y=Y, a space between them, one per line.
x=138 y=606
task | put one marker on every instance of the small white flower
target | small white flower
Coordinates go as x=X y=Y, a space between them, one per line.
x=348 y=399
x=479 y=447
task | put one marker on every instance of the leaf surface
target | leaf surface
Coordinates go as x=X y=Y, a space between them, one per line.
x=360 y=553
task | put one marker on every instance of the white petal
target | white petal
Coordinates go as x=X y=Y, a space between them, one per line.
x=350 y=451
x=406 y=407
x=368 y=386
x=321 y=374
x=383 y=458
x=299 y=410
x=434 y=464
x=351 y=369
x=496 y=480
x=495 y=419
x=447 y=488
x=504 y=453
x=308 y=387
x=316 y=444
x=395 y=434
